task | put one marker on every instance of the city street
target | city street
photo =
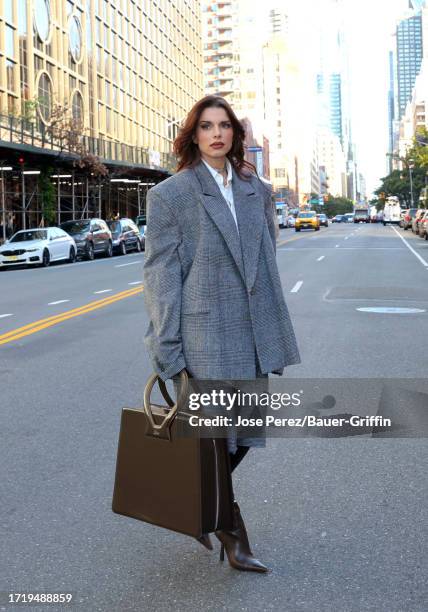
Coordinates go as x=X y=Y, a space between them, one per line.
x=341 y=522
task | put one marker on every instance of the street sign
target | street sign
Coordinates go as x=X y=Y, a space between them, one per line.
x=254 y=149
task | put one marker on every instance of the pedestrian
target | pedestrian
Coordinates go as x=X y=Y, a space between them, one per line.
x=212 y=287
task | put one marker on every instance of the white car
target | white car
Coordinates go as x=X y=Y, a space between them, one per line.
x=38 y=247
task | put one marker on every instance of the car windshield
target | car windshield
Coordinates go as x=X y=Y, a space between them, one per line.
x=30 y=235
x=307 y=215
x=114 y=226
x=75 y=227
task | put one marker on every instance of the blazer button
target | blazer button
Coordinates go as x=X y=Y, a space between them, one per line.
x=252 y=291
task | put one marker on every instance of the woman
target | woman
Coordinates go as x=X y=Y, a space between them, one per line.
x=212 y=287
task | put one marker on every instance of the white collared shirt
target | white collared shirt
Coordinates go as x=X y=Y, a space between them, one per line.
x=226 y=191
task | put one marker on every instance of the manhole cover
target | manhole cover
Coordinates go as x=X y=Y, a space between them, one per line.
x=391 y=310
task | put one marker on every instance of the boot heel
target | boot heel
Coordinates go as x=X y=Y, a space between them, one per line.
x=222 y=553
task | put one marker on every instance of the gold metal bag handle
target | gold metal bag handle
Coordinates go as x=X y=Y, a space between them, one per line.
x=163 y=430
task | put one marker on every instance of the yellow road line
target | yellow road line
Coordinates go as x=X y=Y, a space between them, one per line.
x=36 y=326
x=288 y=240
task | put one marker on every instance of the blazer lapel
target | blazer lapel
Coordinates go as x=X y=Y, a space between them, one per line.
x=218 y=210
x=250 y=215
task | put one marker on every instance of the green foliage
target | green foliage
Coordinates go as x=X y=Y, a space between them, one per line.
x=335 y=206
x=414 y=170
x=47 y=194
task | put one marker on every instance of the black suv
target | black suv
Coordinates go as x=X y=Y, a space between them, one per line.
x=126 y=236
x=91 y=236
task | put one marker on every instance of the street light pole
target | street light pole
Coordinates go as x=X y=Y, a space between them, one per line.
x=411 y=185
x=3 y=200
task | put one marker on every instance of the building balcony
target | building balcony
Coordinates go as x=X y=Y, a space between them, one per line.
x=224 y=24
x=225 y=36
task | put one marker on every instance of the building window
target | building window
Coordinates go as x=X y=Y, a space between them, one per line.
x=77 y=107
x=10 y=48
x=8 y=10
x=22 y=17
x=10 y=75
x=75 y=38
x=44 y=95
x=42 y=19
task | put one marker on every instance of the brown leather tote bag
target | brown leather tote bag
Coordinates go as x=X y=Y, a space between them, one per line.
x=167 y=478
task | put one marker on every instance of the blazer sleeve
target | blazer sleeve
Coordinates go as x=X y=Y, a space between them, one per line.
x=270 y=214
x=162 y=287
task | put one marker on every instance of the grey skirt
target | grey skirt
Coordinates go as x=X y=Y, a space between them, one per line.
x=235 y=436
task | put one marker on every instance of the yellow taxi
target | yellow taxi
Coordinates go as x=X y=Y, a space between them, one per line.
x=307 y=219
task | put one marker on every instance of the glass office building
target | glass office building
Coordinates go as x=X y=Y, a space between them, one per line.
x=409 y=58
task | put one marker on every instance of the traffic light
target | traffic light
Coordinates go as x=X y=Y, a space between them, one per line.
x=21 y=162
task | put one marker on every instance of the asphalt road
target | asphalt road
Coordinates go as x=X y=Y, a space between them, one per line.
x=341 y=522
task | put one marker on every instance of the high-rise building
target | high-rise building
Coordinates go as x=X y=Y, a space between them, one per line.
x=128 y=69
x=329 y=90
x=409 y=57
x=289 y=86
x=218 y=28
x=128 y=72
x=233 y=65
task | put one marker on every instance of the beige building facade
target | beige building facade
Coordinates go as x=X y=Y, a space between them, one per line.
x=131 y=70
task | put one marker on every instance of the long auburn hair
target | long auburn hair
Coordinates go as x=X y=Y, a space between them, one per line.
x=187 y=152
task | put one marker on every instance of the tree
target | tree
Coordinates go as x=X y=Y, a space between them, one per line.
x=68 y=133
x=335 y=205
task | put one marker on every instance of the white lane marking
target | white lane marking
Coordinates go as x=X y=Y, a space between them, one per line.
x=136 y=283
x=421 y=259
x=103 y=291
x=6 y=315
x=343 y=248
x=391 y=310
x=321 y=258
x=132 y=263
x=296 y=287
x=57 y=302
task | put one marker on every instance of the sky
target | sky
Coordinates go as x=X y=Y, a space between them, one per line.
x=373 y=23
x=369 y=26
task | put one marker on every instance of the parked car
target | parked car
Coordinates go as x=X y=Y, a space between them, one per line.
x=125 y=236
x=38 y=247
x=416 y=219
x=141 y=223
x=409 y=214
x=92 y=236
x=337 y=219
x=423 y=225
x=291 y=221
x=307 y=220
x=323 y=219
x=348 y=218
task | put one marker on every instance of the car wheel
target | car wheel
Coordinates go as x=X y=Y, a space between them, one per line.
x=296 y=229
x=139 y=247
x=90 y=251
x=72 y=256
x=123 y=248
x=46 y=258
x=109 y=251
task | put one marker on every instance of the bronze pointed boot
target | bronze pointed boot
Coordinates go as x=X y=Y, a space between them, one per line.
x=237 y=546
x=205 y=540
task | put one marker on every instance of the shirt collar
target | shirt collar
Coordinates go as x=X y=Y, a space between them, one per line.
x=217 y=175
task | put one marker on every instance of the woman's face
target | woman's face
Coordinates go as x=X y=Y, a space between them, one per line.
x=214 y=135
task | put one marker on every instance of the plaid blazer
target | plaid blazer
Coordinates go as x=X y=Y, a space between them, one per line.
x=214 y=298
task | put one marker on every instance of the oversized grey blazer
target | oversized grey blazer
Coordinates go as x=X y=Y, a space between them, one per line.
x=214 y=298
